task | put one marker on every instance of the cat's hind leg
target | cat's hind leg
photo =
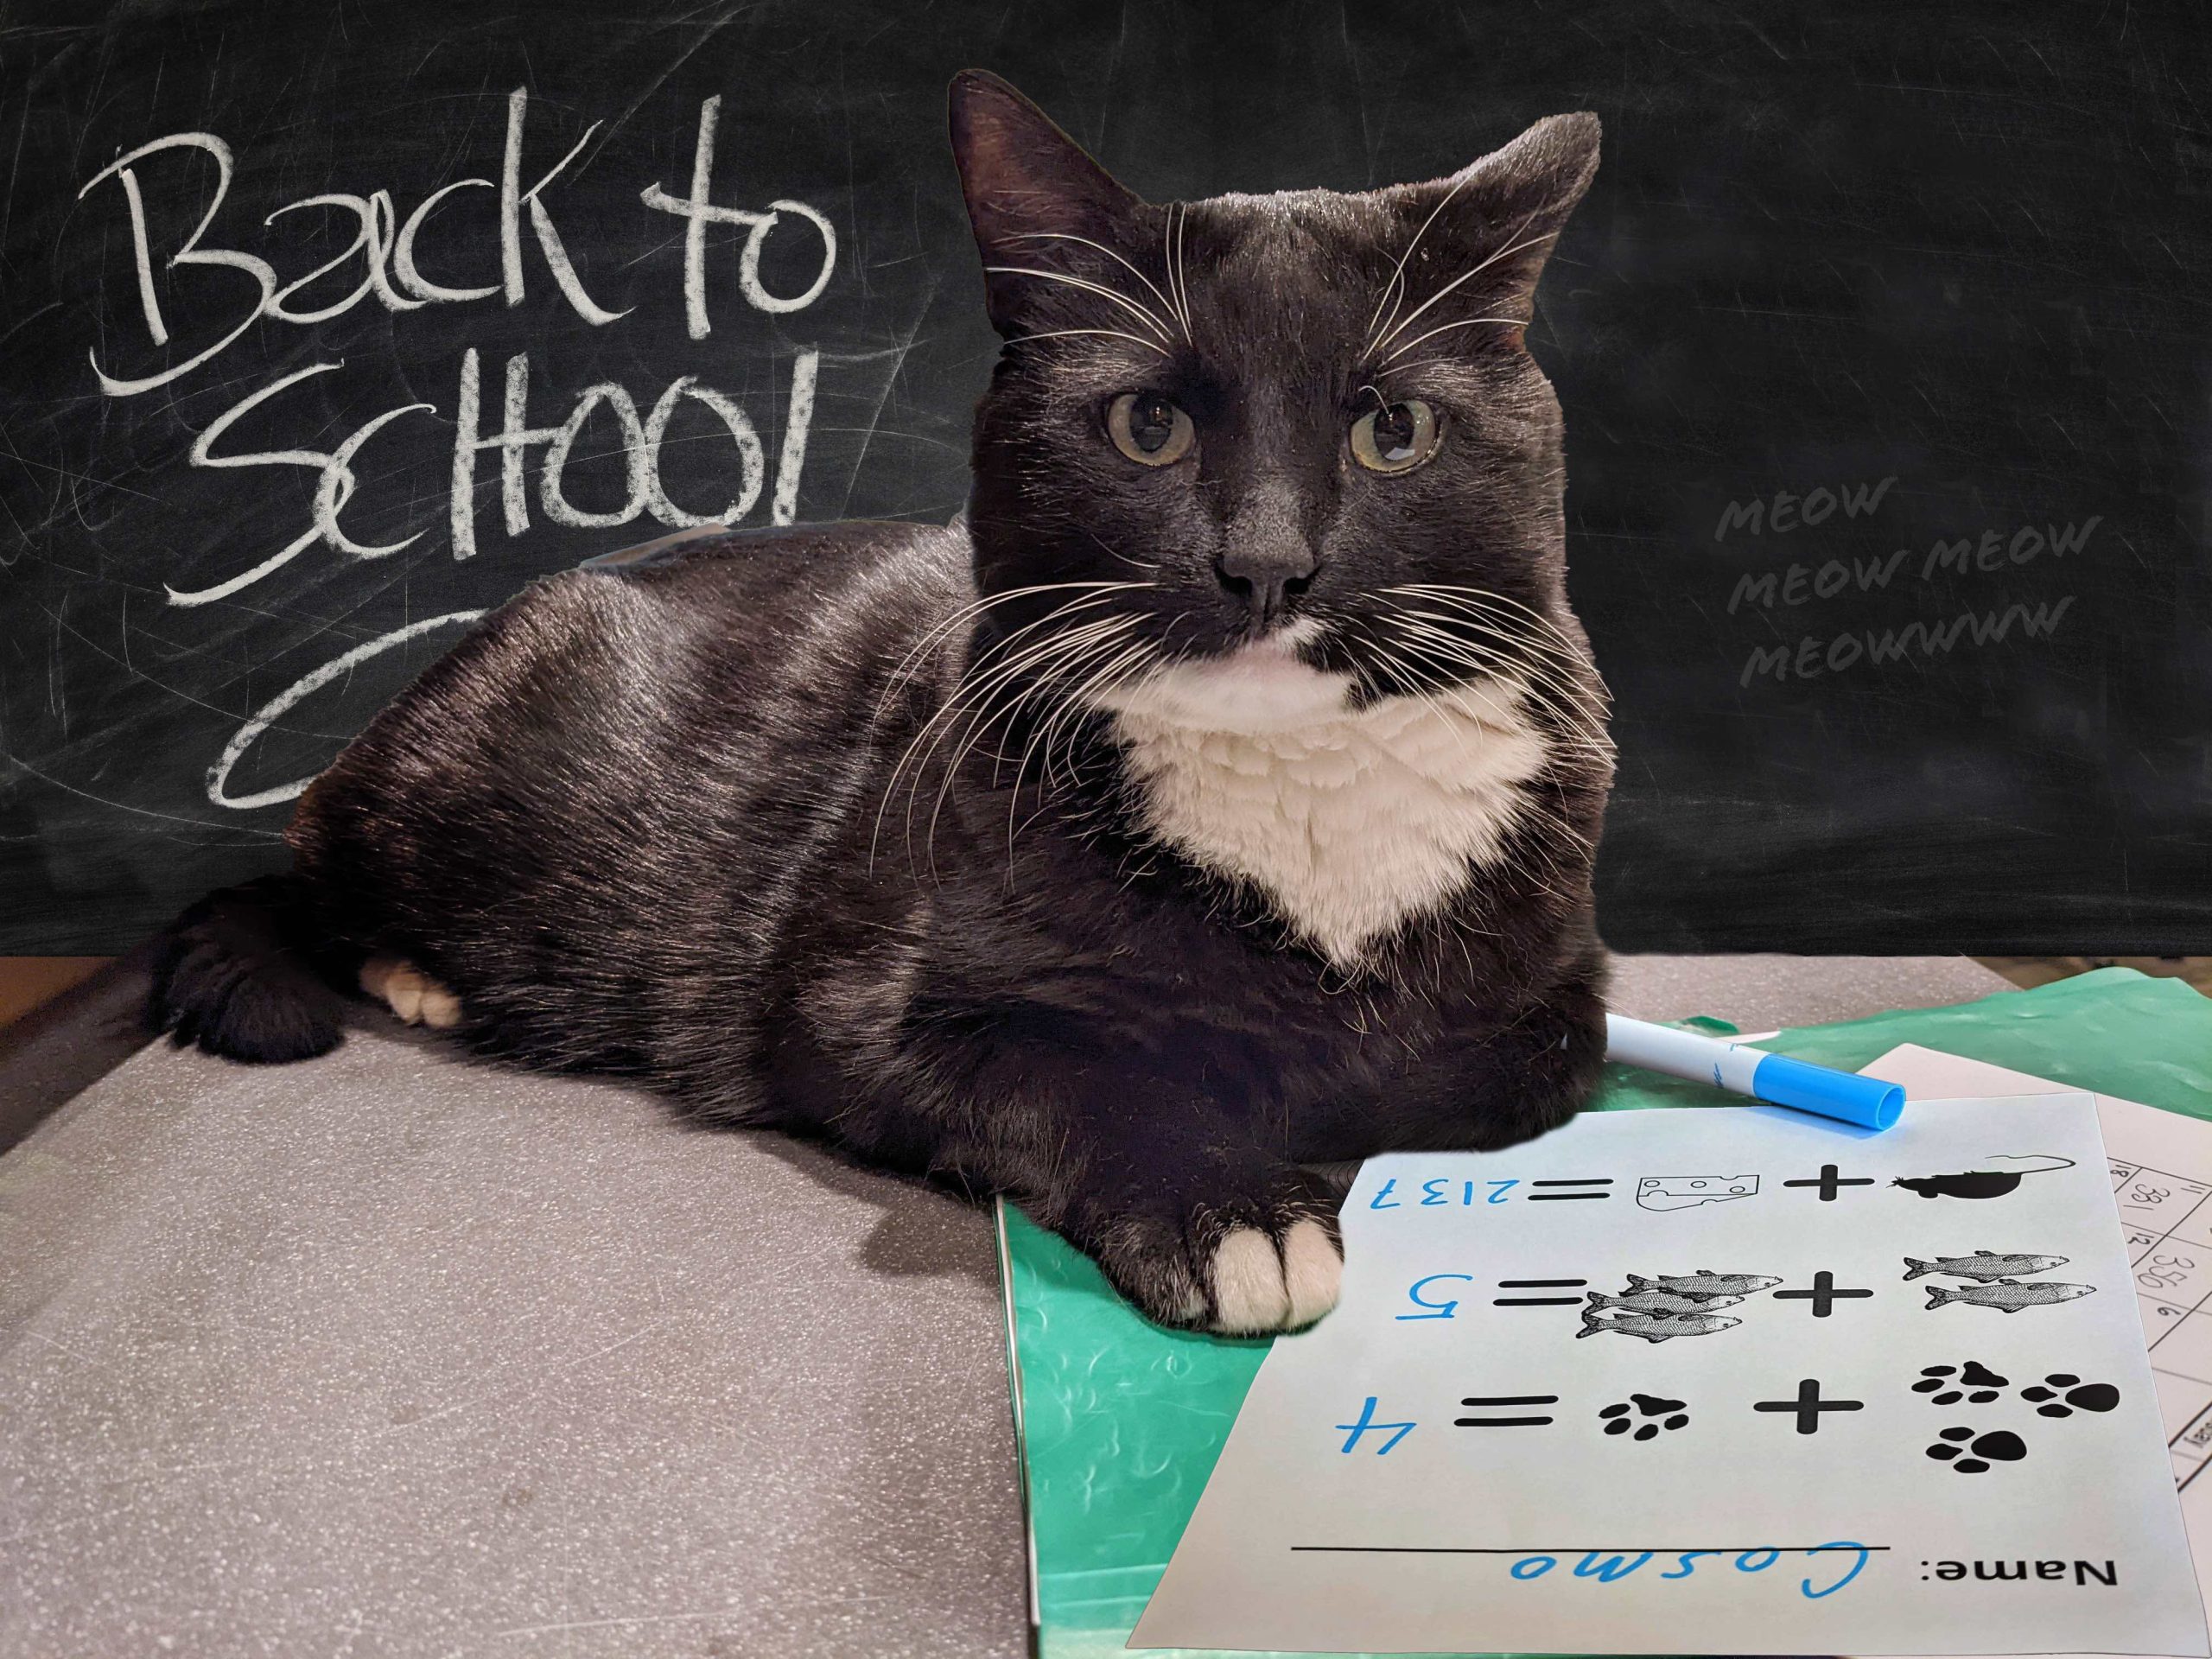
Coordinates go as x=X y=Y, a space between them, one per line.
x=410 y=994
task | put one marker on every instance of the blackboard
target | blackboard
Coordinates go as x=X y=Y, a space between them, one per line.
x=1881 y=339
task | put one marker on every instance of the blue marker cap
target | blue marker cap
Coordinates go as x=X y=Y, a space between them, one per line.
x=1868 y=1101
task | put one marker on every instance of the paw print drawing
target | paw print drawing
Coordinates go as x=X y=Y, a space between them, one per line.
x=1946 y=1385
x=1659 y=1415
x=1969 y=1454
x=2061 y=1394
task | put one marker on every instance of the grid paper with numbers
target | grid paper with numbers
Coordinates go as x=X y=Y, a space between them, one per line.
x=2168 y=1219
x=2165 y=1212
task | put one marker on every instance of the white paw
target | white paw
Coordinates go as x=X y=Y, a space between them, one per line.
x=417 y=999
x=1258 y=1287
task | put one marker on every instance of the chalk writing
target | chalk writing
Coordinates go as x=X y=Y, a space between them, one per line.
x=383 y=259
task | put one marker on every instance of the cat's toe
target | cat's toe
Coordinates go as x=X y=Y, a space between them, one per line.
x=1249 y=1292
x=1314 y=1271
x=1260 y=1285
x=440 y=1007
x=414 y=997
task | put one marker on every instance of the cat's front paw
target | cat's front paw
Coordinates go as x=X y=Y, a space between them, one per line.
x=1264 y=1283
x=1278 y=1272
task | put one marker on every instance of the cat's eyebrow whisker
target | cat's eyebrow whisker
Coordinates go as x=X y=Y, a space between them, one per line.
x=1110 y=333
x=1413 y=315
x=1178 y=215
x=1446 y=329
x=1063 y=236
x=1398 y=271
x=1119 y=298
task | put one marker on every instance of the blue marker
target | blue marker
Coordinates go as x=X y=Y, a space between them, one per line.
x=1868 y=1101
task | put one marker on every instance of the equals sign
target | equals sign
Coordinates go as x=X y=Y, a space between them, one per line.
x=1556 y=1198
x=1506 y=1399
x=1538 y=1301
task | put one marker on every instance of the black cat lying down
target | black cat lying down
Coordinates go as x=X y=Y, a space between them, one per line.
x=1217 y=801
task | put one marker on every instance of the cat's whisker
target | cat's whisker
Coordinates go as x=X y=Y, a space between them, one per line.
x=1567 y=668
x=907 y=665
x=1460 y=594
x=1534 y=650
x=1567 y=700
x=1446 y=329
x=1464 y=277
x=969 y=697
x=937 y=727
x=1111 y=551
x=1078 y=705
x=977 y=711
x=1398 y=271
x=1104 y=334
x=1063 y=236
x=1066 y=645
x=1072 y=701
x=1140 y=311
x=1178 y=284
x=1515 y=649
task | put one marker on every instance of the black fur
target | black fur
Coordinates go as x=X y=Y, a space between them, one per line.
x=686 y=822
x=227 y=977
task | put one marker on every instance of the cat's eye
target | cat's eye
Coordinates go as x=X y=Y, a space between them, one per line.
x=1148 y=427
x=1397 y=438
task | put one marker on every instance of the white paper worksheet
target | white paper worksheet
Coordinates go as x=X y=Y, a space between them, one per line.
x=1713 y=1381
x=2161 y=1172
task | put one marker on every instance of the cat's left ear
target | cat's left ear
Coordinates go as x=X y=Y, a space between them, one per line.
x=1501 y=215
x=1034 y=198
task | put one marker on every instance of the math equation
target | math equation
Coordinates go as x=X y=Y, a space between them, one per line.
x=1723 y=1381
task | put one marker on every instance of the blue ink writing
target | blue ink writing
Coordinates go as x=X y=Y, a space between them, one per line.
x=1443 y=1310
x=1368 y=1424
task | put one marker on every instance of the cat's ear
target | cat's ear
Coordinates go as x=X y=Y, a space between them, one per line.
x=1034 y=196
x=1496 y=221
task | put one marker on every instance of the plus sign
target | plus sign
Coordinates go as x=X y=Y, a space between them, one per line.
x=1830 y=1181
x=1808 y=1406
x=1823 y=1295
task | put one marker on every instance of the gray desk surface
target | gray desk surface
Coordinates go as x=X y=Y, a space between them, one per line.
x=397 y=1355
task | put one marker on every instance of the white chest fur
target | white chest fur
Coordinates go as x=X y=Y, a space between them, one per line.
x=1350 y=823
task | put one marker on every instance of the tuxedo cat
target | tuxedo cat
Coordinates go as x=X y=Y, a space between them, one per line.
x=1216 y=800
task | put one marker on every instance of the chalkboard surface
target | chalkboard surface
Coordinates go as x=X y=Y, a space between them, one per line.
x=1881 y=339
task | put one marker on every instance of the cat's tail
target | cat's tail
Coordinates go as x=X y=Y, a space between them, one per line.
x=227 y=977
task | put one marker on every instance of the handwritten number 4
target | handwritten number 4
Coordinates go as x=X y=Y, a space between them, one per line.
x=1368 y=1424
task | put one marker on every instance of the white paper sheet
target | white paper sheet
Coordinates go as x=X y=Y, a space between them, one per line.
x=1430 y=1469
x=2161 y=1171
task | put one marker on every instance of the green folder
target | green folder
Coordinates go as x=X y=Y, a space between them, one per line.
x=1119 y=1422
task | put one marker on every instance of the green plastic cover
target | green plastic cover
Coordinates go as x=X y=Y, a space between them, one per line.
x=1119 y=1422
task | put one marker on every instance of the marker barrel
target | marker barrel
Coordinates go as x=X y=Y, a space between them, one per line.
x=1799 y=1085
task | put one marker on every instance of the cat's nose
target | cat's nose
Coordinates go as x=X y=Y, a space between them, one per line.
x=1266 y=562
x=1265 y=583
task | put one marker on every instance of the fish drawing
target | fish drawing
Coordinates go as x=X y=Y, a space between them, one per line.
x=1983 y=1265
x=1704 y=1283
x=1653 y=1327
x=1662 y=1302
x=2007 y=1295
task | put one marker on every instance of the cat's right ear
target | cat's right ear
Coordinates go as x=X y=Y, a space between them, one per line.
x=1034 y=196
